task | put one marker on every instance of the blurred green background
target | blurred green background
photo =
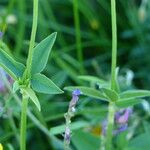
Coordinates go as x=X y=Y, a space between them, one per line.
x=133 y=22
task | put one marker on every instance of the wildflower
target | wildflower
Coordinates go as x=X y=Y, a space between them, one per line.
x=74 y=100
x=69 y=115
x=121 y=121
x=122 y=116
x=67 y=135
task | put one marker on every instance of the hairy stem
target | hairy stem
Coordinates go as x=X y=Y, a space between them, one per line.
x=23 y=122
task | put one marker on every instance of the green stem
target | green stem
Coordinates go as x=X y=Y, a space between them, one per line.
x=78 y=34
x=23 y=122
x=109 y=133
x=111 y=109
x=114 y=43
x=33 y=34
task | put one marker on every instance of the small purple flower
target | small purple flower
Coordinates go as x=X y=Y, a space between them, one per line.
x=122 y=116
x=121 y=121
x=1 y=34
x=67 y=135
x=75 y=98
x=69 y=115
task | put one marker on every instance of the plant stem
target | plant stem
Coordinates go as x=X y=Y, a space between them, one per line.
x=23 y=122
x=78 y=34
x=114 y=43
x=111 y=109
x=109 y=133
x=33 y=34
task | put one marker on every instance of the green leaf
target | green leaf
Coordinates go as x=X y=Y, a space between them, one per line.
x=88 y=92
x=140 y=142
x=33 y=97
x=112 y=95
x=42 y=84
x=122 y=103
x=85 y=141
x=15 y=87
x=41 y=53
x=14 y=68
x=135 y=94
x=92 y=79
x=75 y=125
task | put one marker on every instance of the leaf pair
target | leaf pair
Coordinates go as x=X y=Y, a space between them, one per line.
x=38 y=81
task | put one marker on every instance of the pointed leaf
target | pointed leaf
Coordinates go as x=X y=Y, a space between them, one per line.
x=41 y=54
x=14 y=68
x=42 y=84
x=88 y=92
x=122 y=103
x=33 y=97
x=112 y=95
x=92 y=79
x=135 y=94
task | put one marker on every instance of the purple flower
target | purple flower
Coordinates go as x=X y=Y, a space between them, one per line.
x=121 y=121
x=122 y=116
x=75 y=98
x=1 y=34
x=67 y=135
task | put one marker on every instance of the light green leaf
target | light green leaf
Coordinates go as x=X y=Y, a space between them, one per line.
x=15 y=87
x=83 y=140
x=33 y=97
x=122 y=103
x=75 y=125
x=135 y=94
x=41 y=53
x=42 y=84
x=112 y=95
x=88 y=92
x=92 y=79
x=14 y=68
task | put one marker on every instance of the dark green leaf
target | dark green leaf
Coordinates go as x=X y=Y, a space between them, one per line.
x=41 y=53
x=42 y=84
x=88 y=92
x=14 y=68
